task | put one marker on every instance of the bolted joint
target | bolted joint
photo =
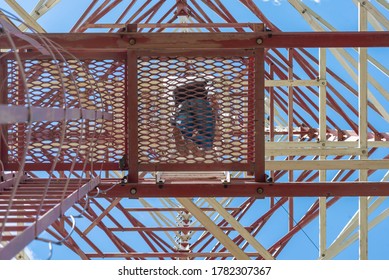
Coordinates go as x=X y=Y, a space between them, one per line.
x=132 y=41
x=133 y=191
x=259 y=41
x=260 y=190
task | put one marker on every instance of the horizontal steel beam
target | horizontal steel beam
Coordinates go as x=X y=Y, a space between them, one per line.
x=16 y=114
x=294 y=83
x=178 y=25
x=174 y=255
x=182 y=228
x=245 y=188
x=246 y=40
x=269 y=164
x=365 y=164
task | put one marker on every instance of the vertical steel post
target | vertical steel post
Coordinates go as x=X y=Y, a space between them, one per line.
x=322 y=140
x=290 y=131
x=271 y=122
x=259 y=170
x=132 y=115
x=362 y=124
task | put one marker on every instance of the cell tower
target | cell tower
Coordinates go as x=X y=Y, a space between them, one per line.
x=179 y=131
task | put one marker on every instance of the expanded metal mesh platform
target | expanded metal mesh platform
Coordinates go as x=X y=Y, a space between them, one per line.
x=90 y=84
x=192 y=111
x=196 y=110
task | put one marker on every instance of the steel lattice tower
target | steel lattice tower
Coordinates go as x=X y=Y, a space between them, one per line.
x=296 y=140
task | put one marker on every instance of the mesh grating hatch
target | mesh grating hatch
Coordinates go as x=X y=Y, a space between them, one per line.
x=191 y=109
x=195 y=110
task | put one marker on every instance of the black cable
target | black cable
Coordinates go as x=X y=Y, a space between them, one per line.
x=299 y=226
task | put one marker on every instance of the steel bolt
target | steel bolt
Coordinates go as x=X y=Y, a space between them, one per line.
x=133 y=191
x=260 y=190
x=259 y=41
x=132 y=41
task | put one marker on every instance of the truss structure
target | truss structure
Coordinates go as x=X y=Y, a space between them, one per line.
x=295 y=137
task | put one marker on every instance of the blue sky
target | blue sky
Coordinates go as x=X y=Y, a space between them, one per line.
x=341 y=14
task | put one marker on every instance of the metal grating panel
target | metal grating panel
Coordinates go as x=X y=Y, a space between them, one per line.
x=195 y=110
x=88 y=84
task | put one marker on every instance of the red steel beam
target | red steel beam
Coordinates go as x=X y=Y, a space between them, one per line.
x=121 y=41
x=173 y=25
x=246 y=188
x=151 y=229
x=174 y=209
x=94 y=16
x=124 y=13
x=132 y=115
x=79 y=21
x=259 y=115
x=174 y=255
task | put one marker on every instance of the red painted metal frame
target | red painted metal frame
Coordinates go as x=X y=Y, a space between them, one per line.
x=259 y=142
x=188 y=41
x=246 y=188
x=132 y=115
x=257 y=167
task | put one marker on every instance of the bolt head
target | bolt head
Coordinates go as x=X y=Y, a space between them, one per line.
x=259 y=41
x=132 y=41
